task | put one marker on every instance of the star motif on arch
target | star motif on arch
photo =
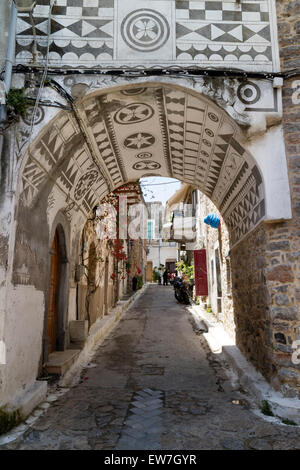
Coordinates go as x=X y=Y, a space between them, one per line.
x=139 y=140
x=135 y=112
x=146 y=29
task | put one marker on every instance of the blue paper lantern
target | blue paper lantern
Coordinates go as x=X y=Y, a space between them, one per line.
x=213 y=220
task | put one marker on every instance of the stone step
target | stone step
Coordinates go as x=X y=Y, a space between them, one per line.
x=61 y=361
x=76 y=345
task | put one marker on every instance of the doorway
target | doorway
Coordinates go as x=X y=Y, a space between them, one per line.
x=52 y=328
x=171 y=266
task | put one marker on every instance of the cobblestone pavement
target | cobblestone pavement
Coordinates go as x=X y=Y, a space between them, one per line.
x=156 y=385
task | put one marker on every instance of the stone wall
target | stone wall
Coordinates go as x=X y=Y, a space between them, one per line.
x=283 y=239
x=94 y=253
x=251 y=299
x=261 y=309
x=137 y=260
x=221 y=236
x=265 y=265
x=266 y=308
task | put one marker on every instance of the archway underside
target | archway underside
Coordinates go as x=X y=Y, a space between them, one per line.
x=133 y=132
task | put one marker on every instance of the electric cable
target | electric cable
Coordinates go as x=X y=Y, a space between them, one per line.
x=176 y=70
x=45 y=69
x=158 y=184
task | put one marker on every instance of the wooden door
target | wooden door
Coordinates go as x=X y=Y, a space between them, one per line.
x=53 y=295
x=149 y=271
x=200 y=273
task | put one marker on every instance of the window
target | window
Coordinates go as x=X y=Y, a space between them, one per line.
x=150 y=229
x=194 y=202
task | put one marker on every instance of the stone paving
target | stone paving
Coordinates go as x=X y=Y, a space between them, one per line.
x=156 y=385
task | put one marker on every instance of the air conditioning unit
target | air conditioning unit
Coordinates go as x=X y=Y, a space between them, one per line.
x=25 y=6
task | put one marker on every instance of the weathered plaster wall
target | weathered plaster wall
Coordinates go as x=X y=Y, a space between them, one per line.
x=137 y=260
x=269 y=150
x=4 y=28
x=26 y=306
x=93 y=255
x=5 y=219
x=7 y=202
x=23 y=339
x=161 y=255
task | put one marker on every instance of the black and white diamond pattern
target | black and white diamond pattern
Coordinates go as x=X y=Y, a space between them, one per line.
x=218 y=31
x=68 y=28
x=82 y=32
x=144 y=425
x=79 y=8
x=222 y=11
x=89 y=33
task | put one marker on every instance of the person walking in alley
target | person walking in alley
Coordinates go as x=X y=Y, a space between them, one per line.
x=159 y=275
x=166 y=277
x=134 y=283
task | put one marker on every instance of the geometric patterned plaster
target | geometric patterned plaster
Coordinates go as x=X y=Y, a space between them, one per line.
x=93 y=33
x=139 y=131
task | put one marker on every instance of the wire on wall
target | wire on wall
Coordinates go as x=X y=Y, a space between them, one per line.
x=45 y=71
x=173 y=71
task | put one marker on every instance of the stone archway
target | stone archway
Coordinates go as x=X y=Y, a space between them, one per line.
x=124 y=133
x=132 y=132
x=56 y=303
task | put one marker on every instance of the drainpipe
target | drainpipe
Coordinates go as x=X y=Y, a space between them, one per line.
x=10 y=60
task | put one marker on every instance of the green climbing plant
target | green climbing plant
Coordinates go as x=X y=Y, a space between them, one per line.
x=186 y=269
x=140 y=282
x=155 y=276
x=266 y=409
x=17 y=100
x=8 y=420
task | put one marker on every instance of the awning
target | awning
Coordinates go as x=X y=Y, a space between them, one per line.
x=179 y=196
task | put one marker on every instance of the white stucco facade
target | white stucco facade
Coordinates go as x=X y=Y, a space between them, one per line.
x=162 y=253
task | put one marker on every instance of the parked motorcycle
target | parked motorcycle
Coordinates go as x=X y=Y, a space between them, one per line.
x=181 y=291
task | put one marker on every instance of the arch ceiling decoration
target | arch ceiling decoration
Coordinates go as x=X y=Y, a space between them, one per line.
x=135 y=132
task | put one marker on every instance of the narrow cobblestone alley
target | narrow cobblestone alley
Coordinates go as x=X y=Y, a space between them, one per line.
x=156 y=385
